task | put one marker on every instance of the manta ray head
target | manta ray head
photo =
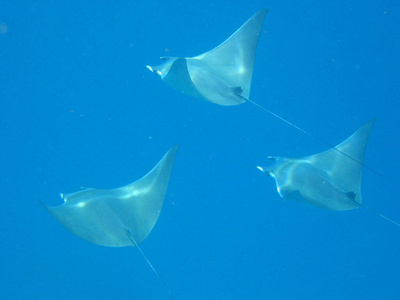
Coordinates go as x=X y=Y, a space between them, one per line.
x=163 y=69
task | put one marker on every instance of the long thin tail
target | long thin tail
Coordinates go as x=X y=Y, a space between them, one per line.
x=379 y=214
x=130 y=235
x=311 y=135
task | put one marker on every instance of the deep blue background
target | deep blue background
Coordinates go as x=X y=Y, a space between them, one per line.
x=79 y=108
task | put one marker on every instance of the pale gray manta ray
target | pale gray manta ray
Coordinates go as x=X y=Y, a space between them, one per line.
x=222 y=75
x=118 y=217
x=329 y=179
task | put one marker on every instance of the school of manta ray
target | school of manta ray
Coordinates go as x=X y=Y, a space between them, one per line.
x=126 y=215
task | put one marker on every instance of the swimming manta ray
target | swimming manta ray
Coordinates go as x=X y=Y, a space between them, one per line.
x=223 y=75
x=119 y=217
x=329 y=179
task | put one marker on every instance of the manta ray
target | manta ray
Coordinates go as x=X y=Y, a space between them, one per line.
x=118 y=217
x=330 y=179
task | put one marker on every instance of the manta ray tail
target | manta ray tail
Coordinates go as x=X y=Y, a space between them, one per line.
x=379 y=214
x=352 y=196
x=130 y=235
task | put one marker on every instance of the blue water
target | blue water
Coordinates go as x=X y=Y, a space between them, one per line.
x=79 y=109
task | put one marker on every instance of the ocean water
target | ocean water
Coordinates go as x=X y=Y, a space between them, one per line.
x=79 y=109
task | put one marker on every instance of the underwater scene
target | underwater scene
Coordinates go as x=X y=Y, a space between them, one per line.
x=257 y=159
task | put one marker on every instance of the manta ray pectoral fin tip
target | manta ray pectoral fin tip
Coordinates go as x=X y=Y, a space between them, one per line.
x=175 y=148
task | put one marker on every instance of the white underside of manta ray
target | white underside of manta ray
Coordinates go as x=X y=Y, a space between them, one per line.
x=119 y=217
x=114 y=217
x=222 y=75
x=328 y=179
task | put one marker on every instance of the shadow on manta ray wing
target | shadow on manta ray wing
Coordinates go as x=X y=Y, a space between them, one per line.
x=223 y=75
